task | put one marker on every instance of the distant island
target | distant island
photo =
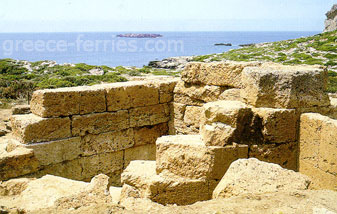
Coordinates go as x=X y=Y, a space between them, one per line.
x=139 y=35
x=223 y=44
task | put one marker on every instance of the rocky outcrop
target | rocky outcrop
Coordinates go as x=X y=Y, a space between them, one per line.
x=331 y=21
x=177 y=63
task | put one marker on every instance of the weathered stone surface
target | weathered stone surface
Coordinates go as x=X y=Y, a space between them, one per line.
x=100 y=122
x=233 y=94
x=21 y=109
x=166 y=88
x=107 y=142
x=178 y=110
x=204 y=93
x=30 y=128
x=318 y=142
x=279 y=86
x=131 y=94
x=184 y=99
x=187 y=156
x=192 y=116
x=44 y=192
x=149 y=134
x=320 y=179
x=278 y=125
x=56 y=151
x=216 y=73
x=20 y=161
x=232 y=114
x=14 y=186
x=331 y=19
x=149 y=115
x=144 y=152
x=68 y=101
x=252 y=177
x=179 y=127
x=285 y=155
x=142 y=180
x=217 y=134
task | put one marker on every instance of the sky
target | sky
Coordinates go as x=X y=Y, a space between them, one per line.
x=162 y=15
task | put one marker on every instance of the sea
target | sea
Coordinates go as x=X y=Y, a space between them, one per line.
x=105 y=48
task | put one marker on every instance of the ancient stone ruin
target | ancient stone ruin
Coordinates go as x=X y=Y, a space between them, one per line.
x=172 y=141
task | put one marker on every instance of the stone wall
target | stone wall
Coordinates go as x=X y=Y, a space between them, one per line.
x=83 y=131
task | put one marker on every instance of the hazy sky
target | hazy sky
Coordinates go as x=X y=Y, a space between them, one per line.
x=160 y=15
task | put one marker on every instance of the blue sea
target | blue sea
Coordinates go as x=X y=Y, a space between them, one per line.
x=104 y=48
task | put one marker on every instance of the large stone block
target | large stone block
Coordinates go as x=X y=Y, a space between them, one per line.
x=166 y=88
x=278 y=125
x=283 y=154
x=93 y=144
x=149 y=115
x=185 y=99
x=320 y=179
x=149 y=134
x=252 y=177
x=233 y=94
x=68 y=101
x=216 y=73
x=18 y=162
x=144 y=152
x=56 y=151
x=131 y=94
x=280 y=86
x=30 y=128
x=99 y=123
x=188 y=157
x=192 y=116
x=141 y=179
x=178 y=110
x=204 y=93
x=224 y=122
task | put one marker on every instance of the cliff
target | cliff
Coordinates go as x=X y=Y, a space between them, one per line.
x=331 y=21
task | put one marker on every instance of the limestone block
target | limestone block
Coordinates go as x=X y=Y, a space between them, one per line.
x=56 y=151
x=179 y=110
x=19 y=162
x=99 y=122
x=92 y=144
x=252 y=177
x=144 y=152
x=192 y=116
x=283 y=154
x=149 y=115
x=278 y=125
x=184 y=99
x=131 y=94
x=30 y=128
x=233 y=94
x=310 y=137
x=188 y=157
x=280 y=86
x=149 y=134
x=320 y=179
x=217 y=134
x=328 y=147
x=216 y=73
x=205 y=93
x=21 y=109
x=145 y=183
x=68 y=101
x=224 y=122
x=179 y=127
x=166 y=88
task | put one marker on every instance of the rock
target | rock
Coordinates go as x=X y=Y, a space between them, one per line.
x=188 y=157
x=144 y=152
x=279 y=86
x=29 y=128
x=96 y=71
x=192 y=116
x=208 y=73
x=149 y=134
x=254 y=177
x=331 y=21
x=3 y=132
x=231 y=94
x=177 y=63
x=141 y=181
x=149 y=115
x=21 y=109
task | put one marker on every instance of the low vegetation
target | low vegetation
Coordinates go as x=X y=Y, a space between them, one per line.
x=320 y=49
